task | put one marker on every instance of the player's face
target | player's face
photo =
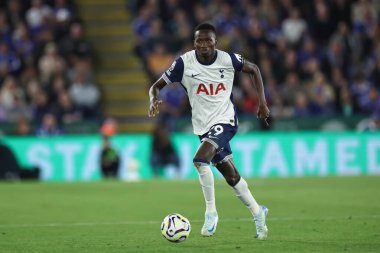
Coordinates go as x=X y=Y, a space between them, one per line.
x=204 y=43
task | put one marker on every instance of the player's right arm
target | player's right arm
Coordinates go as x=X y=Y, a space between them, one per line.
x=172 y=75
x=253 y=70
x=153 y=97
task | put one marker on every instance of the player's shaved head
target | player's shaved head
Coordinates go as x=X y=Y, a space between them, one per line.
x=205 y=27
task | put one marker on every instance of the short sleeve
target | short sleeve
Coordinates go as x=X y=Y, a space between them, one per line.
x=175 y=72
x=237 y=61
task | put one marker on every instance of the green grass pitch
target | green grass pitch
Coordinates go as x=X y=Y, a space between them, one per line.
x=331 y=214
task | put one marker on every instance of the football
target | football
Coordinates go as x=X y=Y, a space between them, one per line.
x=175 y=228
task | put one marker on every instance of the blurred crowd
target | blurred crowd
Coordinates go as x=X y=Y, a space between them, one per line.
x=46 y=73
x=317 y=57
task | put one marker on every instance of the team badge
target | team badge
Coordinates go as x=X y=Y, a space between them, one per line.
x=221 y=73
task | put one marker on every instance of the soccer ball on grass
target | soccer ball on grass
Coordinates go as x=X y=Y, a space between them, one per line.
x=175 y=227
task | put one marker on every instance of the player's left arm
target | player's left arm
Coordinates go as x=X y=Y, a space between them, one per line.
x=254 y=72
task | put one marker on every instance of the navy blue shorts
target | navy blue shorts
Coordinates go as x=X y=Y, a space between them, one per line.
x=219 y=136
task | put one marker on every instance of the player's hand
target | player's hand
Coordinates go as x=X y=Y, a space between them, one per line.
x=153 y=108
x=263 y=113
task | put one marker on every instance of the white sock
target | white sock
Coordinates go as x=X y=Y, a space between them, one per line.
x=244 y=194
x=206 y=178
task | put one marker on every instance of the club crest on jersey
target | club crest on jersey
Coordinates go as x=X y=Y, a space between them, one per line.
x=221 y=73
x=211 y=89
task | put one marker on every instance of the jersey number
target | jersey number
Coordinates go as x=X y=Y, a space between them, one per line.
x=216 y=130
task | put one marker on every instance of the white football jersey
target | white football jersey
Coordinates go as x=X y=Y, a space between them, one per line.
x=209 y=87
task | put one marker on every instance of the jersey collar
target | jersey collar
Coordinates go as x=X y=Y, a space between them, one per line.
x=208 y=63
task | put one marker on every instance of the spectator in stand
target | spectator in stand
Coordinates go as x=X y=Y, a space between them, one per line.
x=301 y=106
x=374 y=124
x=12 y=98
x=3 y=113
x=168 y=8
x=15 y=13
x=273 y=28
x=9 y=92
x=291 y=63
x=340 y=49
x=10 y=63
x=294 y=27
x=226 y=20
x=40 y=105
x=321 y=95
x=274 y=99
x=360 y=89
x=75 y=47
x=67 y=112
x=55 y=87
x=251 y=102
x=32 y=88
x=268 y=10
x=364 y=16
x=375 y=74
x=63 y=14
x=255 y=38
x=322 y=25
x=370 y=124
x=5 y=31
x=156 y=36
x=180 y=27
x=85 y=96
x=371 y=101
x=341 y=11
x=38 y=17
x=23 y=127
x=141 y=26
x=50 y=63
x=282 y=62
x=28 y=74
x=238 y=44
x=200 y=13
x=307 y=51
x=266 y=67
x=49 y=126
x=343 y=101
x=159 y=61
x=83 y=67
x=310 y=67
x=288 y=88
x=22 y=43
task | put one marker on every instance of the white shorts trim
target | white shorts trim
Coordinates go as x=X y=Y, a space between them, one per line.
x=226 y=158
x=211 y=142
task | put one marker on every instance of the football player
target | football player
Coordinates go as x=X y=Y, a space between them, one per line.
x=207 y=75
